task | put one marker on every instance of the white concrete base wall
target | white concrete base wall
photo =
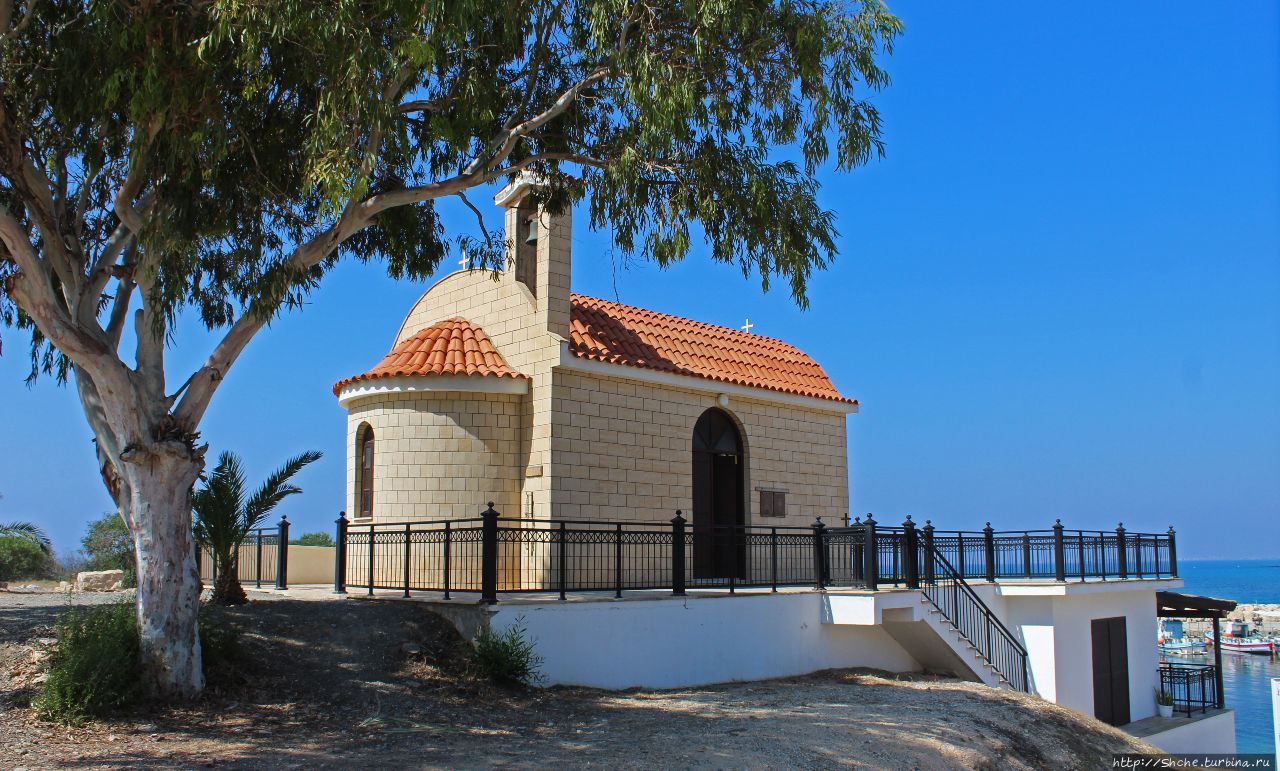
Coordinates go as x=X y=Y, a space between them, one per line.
x=1216 y=734
x=663 y=643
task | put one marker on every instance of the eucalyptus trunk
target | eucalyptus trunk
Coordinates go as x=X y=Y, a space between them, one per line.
x=149 y=466
x=159 y=510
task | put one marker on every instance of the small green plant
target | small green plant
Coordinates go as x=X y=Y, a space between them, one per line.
x=508 y=657
x=94 y=668
x=224 y=516
x=1164 y=698
x=21 y=557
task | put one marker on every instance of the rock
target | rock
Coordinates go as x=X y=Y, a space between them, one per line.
x=64 y=587
x=411 y=649
x=99 y=580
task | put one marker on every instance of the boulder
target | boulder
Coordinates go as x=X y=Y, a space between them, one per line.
x=99 y=580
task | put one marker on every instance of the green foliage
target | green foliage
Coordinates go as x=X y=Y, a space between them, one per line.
x=291 y=115
x=94 y=669
x=314 y=539
x=224 y=516
x=22 y=558
x=108 y=546
x=508 y=657
x=29 y=531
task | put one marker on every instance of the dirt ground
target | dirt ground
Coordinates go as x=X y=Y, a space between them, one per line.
x=386 y=684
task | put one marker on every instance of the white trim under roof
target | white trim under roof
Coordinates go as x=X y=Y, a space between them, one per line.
x=694 y=383
x=406 y=384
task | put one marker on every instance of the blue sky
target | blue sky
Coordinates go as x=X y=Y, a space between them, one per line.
x=1057 y=296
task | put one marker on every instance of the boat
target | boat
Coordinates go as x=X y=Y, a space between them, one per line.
x=1172 y=640
x=1237 y=639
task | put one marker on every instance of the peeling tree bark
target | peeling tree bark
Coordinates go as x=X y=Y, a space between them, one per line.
x=158 y=507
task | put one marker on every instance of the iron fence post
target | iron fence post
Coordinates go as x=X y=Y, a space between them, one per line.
x=1122 y=559
x=448 y=563
x=870 y=555
x=562 y=557
x=856 y=558
x=371 y=565
x=1059 y=553
x=257 y=562
x=1026 y=554
x=408 y=554
x=1080 y=553
x=1173 y=553
x=927 y=531
x=1137 y=554
x=677 y=554
x=340 y=555
x=282 y=555
x=910 y=564
x=489 y=556
x=617 y=561
x=773 y=558
x=989 y=551
x=960 y=553
x=818 y=554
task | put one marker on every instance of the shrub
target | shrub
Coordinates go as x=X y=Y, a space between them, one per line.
x=509 y=657
x=108 y=546
x=94 y=669
x=22 y=558
x=314 y=539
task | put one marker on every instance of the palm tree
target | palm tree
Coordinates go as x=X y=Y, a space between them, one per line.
x=224 y=517
x=28 y=531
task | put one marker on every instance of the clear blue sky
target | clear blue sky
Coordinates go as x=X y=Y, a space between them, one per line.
x=1058 y=295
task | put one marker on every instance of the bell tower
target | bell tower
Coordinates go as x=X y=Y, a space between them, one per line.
x=538 y=251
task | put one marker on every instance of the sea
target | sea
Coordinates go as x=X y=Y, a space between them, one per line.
x=1246 y=678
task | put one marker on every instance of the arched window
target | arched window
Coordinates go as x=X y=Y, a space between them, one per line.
x=364 y=471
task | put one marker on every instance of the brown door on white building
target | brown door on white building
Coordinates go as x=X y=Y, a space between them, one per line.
x=1111 y=670
x=718 y=497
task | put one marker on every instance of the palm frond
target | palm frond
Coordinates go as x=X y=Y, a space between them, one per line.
x=276 y=488
x=30 y=531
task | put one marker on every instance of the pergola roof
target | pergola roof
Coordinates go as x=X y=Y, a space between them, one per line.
x=1174 y=605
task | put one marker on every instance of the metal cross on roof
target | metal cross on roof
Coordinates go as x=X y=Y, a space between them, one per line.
x=747 y=327
x=465 y=262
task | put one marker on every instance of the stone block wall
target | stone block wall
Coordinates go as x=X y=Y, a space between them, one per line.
x=621 y=450
x=439 y=456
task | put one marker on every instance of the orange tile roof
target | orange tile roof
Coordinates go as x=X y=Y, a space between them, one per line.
x=450 y=347
x=601 y=330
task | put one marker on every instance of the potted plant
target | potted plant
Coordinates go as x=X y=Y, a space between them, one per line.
x=1164 y=703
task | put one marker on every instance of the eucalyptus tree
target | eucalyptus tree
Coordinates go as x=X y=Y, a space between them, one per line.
x=218 y=158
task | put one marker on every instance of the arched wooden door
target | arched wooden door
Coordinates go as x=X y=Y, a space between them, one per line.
x=718 y=497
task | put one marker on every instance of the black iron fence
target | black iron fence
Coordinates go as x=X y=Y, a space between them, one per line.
x=492 y=555
x=263 y=557
x=1192 y=687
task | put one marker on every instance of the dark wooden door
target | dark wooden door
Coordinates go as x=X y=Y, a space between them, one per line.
x=718 y=497
x=1111 y=670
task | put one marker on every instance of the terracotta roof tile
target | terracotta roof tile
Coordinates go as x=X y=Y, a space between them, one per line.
x=606 y=331
x=451 y=347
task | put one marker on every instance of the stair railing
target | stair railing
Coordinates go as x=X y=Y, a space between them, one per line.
x=956 y=601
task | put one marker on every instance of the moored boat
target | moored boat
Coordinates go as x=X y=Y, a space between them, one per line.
x=1237 y=639
x=1173 y=639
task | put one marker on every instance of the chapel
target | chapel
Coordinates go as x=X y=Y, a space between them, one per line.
x=555 y=405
